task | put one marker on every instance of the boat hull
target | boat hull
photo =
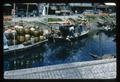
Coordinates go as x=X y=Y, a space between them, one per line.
x=24 y=48
x=51 y=39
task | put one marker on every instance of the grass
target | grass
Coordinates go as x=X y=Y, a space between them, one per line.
x=54 y=19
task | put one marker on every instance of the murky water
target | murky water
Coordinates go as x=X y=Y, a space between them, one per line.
x=64 y=52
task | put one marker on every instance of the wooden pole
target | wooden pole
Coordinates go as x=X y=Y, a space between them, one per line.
x=100 y=44
x=14 y=12
x=14 y=9
x=27 y=9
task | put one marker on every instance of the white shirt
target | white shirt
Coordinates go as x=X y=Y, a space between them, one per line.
x=71 y=28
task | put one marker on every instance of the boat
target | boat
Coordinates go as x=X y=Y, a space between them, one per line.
x=21 y=47
x=77 y=35
x=11 y=38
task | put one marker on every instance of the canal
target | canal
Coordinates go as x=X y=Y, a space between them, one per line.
x=98 y=43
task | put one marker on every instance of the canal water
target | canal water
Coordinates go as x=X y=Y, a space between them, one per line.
x=99 y=44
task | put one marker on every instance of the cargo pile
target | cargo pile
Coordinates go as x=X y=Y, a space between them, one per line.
x=23 y=35
x=106 y=21
x=80 y=20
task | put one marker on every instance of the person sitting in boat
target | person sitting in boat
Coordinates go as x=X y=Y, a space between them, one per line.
x=84 y=24
x=72 y=30
x=64 y=31
x=59 y=34
x=80 y=28
x=55 y=34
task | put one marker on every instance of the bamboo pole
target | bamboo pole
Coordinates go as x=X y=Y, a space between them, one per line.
x=27 y=9
x=13 y=13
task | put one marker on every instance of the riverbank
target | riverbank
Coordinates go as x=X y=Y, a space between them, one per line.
x=97 y=69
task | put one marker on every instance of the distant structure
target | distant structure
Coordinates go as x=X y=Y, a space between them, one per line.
x=44 y=11
x=41 y=8
x=38 y=9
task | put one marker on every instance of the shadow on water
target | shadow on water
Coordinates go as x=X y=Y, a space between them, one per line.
x=62 y=52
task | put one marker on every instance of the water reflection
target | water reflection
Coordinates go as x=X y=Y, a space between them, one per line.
x=62 y=52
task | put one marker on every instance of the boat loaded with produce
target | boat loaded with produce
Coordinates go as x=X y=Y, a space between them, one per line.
x=20 y=37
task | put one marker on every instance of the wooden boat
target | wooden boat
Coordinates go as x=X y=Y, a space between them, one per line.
x=59 y=39
x=21 y=40
x=67 y=38
x=23 y=47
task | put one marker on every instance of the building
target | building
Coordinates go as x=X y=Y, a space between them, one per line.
x=38 y=9
x=59 y=9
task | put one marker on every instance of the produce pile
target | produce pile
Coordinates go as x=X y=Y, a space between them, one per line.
x=25 y=23
x=106 y=21
x=79 y=20
x=82 y=20
x=25 y=34
x=91 y=19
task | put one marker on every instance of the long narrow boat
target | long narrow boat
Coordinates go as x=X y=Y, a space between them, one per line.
x=23 y=47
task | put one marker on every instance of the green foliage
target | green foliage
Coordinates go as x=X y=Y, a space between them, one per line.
x=54 y=19
x=27 y=24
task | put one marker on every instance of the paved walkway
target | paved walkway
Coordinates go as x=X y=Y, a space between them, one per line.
x=97 y=69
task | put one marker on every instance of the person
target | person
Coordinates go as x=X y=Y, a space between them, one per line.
x=65 y=31
x=80 y=28
x=5 y=42
x=72 y=29
x=59 y=33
